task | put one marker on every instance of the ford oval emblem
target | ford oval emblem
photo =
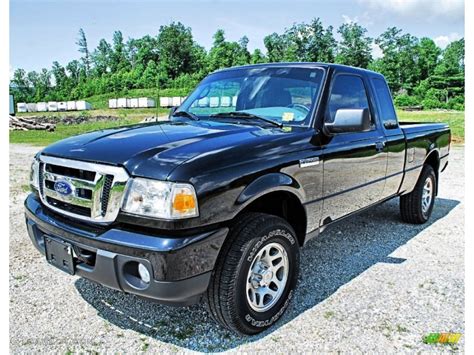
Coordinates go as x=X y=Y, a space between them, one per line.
x=63 y=187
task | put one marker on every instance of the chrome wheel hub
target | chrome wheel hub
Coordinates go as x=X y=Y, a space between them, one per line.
x=427 y=195
x=267 y=277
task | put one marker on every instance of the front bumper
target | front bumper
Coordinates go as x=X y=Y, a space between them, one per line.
x=180 y=266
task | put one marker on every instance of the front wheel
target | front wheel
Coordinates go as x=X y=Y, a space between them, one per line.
x=416 y=207
x=255 y=275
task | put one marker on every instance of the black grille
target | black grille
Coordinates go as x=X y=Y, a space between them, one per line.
x=71 y=172
x=84 y=193
x=83 y=211
x=49 y=184
x=92 y=195
x=106 y=193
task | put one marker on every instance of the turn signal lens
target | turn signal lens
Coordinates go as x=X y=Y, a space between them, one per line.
x=184 y=202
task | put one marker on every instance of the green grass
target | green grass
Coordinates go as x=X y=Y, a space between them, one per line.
x=328 y=314
x=455 y=119
x=131 y=116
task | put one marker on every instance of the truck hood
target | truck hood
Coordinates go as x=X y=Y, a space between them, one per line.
x=154 y=150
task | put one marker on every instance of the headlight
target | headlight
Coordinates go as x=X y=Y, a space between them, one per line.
x=160 y=199
x=34 y=174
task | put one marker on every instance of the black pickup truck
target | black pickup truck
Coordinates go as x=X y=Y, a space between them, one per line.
x=215 y=203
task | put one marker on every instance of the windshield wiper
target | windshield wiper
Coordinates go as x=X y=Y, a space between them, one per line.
x=186 y=114
x=245 y=115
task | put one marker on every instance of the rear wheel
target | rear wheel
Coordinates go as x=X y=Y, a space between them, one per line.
x=417 y=206
x=255 y=275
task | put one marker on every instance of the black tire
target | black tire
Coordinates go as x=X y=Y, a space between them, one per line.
x=226 y=297
x=411 y=205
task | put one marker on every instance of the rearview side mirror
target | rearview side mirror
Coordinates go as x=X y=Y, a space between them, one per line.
x=349 y=120
x=172 y=111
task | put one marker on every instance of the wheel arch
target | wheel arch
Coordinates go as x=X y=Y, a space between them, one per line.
x=284 y=201
x=432 y=159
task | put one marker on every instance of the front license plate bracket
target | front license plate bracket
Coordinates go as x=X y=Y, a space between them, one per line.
x=59 y=254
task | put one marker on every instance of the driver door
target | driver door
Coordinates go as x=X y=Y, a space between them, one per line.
x=355 y=163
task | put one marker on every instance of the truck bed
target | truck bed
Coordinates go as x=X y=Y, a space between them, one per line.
x=414 y=127
x=423 y=141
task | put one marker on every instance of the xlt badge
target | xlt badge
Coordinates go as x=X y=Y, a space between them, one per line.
x=304 y=163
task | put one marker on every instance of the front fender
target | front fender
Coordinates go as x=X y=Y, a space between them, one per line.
x=269 y=183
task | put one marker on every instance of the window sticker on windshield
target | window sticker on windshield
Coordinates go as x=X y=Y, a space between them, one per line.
x=288 y=116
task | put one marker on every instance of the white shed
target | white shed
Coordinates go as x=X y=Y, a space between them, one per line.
x=234 y=101
x=214 y=101
x=204 y=102
x=71 y=105
x=83 y=105
x=41 y=107
x=62 y=106
x=146 y=102
x=123 y=102
x=183 y=98
x=176 y=101
x=12 y=105
x=165 y=101
x=31 y=107
x=134 y=103
x=52 y=106
x=226 y=101
x=21 y=107
x=112 y=103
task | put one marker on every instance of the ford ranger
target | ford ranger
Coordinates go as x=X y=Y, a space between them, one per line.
x=216 y=202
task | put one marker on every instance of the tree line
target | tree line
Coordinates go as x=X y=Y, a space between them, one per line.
x=417 y=70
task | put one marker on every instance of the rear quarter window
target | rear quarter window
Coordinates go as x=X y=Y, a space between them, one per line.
x=384 y=100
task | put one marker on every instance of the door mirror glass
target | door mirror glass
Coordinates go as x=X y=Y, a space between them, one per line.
x=349 y=120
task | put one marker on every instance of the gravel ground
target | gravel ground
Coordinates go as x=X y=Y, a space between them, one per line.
x=369 y=284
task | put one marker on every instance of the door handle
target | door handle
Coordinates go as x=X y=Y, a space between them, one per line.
x=379 y=146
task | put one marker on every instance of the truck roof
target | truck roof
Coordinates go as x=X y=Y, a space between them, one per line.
x=302 y=65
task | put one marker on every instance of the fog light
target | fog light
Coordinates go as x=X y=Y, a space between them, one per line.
x=143 y=272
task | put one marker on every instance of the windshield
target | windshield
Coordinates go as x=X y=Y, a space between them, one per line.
x=284 y=95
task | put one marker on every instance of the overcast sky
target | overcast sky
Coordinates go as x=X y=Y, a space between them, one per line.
x=44 y=31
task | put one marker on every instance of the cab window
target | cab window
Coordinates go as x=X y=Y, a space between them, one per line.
x=347 y=92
